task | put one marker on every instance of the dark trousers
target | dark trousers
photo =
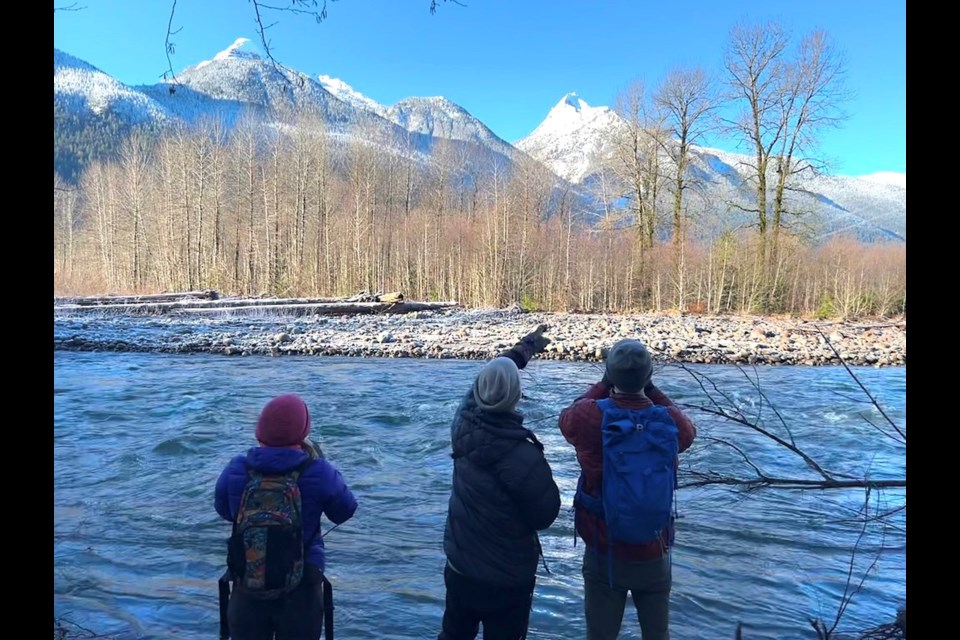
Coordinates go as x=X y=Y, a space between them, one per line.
x=503 y=611
x=649 y=585
x=296 y=616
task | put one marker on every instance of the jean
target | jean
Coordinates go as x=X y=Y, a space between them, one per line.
x=649 y=585
x=503 y=611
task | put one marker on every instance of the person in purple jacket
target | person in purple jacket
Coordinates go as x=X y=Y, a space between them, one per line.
x=282 y=431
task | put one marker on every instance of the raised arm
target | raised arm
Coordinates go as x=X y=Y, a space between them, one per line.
x=340 y=503
x=687 y=430
x=529 y=346
x=582 y=411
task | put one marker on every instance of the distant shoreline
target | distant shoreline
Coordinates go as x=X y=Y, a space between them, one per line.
x=481 y=334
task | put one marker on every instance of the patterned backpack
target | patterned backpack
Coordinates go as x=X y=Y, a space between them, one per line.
x=265 y=552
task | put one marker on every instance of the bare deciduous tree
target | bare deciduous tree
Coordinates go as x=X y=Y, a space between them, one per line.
x=686 y=100
x=756 y=63
x=785 y=98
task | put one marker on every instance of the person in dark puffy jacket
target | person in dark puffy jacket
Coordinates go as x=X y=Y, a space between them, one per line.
x=503 y=494
x=283 y=430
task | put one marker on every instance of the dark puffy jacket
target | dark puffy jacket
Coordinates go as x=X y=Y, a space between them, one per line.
x=503 y=493
x=322 y=491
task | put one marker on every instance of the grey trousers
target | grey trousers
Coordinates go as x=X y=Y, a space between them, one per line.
x=649 y=585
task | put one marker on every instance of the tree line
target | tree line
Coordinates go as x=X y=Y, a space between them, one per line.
x=298 y=210
x=292 y=214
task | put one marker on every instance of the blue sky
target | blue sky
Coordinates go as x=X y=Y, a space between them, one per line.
x=509 y=61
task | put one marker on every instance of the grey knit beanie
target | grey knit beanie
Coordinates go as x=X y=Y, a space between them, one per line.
x=629 y=366
x=497 y=387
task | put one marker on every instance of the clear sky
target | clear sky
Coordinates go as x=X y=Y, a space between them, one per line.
x=509 y=61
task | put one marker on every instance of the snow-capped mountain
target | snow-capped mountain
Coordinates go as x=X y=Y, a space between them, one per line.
x=440 y=118
x=575 y=141
x=572 y=141
x=887 y=177
x=351 y=96
x=433 y=117
x=239 y=81
x=572 y=137
x=85 y=87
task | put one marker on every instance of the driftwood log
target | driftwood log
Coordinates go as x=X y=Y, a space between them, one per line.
x=153 y=297
x=190 y=303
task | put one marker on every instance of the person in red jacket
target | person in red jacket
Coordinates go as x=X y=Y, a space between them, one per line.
x=642 y=569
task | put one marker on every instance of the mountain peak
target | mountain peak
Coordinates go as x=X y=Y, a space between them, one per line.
x=234 y=50
x=573 y=100
x=574 y=110
x=237 y=51
x=571 y=137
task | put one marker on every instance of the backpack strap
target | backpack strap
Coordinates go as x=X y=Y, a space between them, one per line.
x=298 y=471
x=327 y=608
x=303 y=466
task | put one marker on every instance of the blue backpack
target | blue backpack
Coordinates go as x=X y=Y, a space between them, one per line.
x=640 y=450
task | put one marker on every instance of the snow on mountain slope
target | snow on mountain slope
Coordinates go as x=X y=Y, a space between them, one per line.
x=887 y=177
x=571 y=141
x=238 y=81
x=351 y=96
x=877 y=203
x=440 y=118
x=572 y=138
x=87 y=87
x=434 y=117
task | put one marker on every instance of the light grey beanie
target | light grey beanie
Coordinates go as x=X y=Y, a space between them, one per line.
x=497 y=387
x=629 y=366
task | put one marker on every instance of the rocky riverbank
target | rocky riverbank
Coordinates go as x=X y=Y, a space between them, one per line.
x=480 y=334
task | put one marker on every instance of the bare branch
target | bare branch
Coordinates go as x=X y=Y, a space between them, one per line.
x=69 y=7
x=788 y=445
x=745 y=457
x=319 y=16
x=433 y=4
x=862 y=387
x=64 y=628
x=847 y=592
x=169 y=47
x=709 y=479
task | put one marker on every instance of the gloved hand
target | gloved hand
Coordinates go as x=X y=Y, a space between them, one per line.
x=537 y=341
x=606 y=380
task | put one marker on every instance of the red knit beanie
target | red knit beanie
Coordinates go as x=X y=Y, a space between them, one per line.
x=283 y=422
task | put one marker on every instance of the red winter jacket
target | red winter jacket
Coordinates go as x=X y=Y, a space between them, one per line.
x=580 y=424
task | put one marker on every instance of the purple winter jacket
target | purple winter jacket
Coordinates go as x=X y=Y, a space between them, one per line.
x=322 y=491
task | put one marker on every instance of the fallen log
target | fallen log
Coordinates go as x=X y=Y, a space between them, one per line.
x=208 y=294
x=335 y=309
x=394 y=296
x=294 y=306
